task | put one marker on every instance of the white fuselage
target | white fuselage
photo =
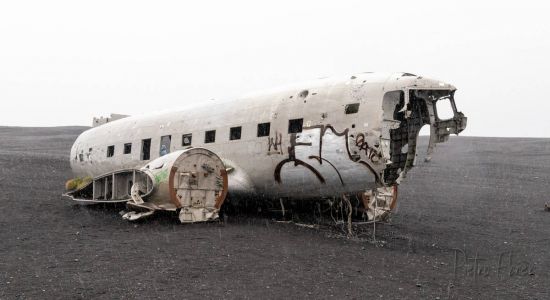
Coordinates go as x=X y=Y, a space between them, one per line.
x=315 y=162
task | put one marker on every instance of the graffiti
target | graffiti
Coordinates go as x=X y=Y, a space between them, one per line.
x=297 y=162
x=370 y=153
x=161 y=176
x=275 y=144
x=320 y=160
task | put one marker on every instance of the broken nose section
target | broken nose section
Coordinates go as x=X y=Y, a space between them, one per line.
x=440 y=130
x=405 y=113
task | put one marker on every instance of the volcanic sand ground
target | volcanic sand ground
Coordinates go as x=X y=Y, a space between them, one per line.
x=481 y=196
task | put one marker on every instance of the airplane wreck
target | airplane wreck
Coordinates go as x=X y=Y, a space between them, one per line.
x=353 y=136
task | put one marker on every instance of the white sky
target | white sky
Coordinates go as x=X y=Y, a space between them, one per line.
x=63 y=62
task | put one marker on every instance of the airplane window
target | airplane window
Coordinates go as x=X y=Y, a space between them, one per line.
x=352 y=108
x=146 y=149
x=263 y=129
x=165 y=142
x=110 y=151
x=235 y=133
x=186 y=139
x=210 y=136
x=295 y=125
x=81 y=157
x=444 y=109
x=127 y=148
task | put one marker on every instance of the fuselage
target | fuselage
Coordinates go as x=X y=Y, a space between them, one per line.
x=316 y=139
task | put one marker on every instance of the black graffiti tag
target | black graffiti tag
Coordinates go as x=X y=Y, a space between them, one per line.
x=363 y=145
x=360 y=142
x=297 y=162
x=276 y=143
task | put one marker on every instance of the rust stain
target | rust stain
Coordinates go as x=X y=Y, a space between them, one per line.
x=221 y=198
x=172 y=189
x=394 y=198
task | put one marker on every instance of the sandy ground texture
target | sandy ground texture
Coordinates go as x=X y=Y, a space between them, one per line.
x=470 y=224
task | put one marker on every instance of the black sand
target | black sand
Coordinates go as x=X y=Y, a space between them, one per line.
x=484 y=196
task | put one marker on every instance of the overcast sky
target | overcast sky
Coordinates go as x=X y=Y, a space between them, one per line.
x=63 y=62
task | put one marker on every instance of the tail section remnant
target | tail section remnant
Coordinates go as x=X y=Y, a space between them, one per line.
x=192 y=182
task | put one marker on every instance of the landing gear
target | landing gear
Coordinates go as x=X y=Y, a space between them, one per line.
x=380 y=202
